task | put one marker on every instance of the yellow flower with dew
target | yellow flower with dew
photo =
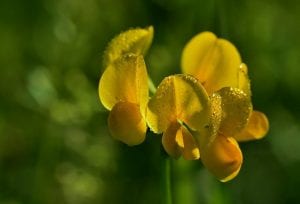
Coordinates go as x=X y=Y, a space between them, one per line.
x=217 y=64
x=123 y=87
x=179 y=107
x=206 y=110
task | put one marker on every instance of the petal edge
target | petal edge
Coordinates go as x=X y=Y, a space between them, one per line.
x=256 y=128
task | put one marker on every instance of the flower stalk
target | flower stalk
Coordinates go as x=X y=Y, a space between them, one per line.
x=166 y=191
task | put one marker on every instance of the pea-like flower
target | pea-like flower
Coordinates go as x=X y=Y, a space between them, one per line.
x=205 y=111
x=217 y=64
x=179 y=107
x=123 y=87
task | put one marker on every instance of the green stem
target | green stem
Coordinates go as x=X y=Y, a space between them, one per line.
x=151 y=86
x=166 y=194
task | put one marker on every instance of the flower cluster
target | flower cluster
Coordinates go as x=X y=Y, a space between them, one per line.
x=202 y=113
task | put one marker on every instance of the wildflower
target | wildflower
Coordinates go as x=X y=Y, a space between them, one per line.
x=217 y=64
x=123 y=87
x=179 y=107
x=206 y=110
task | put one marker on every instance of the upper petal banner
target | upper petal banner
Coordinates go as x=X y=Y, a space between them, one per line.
x=214 y=61
x=136 y=41
x=125 y=80
x=178 y=98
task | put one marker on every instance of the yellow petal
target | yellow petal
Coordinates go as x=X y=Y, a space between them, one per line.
x=244 y=82
x=216 y=115
x=127 y=124
x=135 y=41
x=222 y=157
x=256 y=128
x=236 y=108
x=178 y=140
x=125 y=80
x=188 y=145
x=178 y=98
x=215 y=62
x=168 y=140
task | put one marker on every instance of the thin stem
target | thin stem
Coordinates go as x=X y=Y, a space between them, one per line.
x=166 y=194
x=151 y=86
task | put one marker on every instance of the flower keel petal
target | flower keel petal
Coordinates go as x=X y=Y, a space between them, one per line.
x=177 y=141
x=190 y=150
x=127 y=124
x=222 y=157
x=169 y=142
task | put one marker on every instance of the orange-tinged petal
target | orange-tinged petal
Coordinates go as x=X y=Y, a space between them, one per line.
x=256 y=128
x=236 y=109
x=135 y=41
x=127 y=124
x=214 y=61
x=222 y=157
x=125 y=80
x=169 y=142
x=178 y=97
x=177 y=141
x=188 y=144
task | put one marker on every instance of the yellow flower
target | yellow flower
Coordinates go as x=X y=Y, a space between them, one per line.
x=206 y=110
x=123 y=87
x=217 y=64
x=179 y=107
x=136 y=41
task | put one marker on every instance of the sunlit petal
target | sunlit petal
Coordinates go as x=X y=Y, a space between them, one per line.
x=169 y=140
x=222 y=157
x=216 y=115
x=256 y=128
x=125 y=80
x=178 y=97
x=187 y=142
x=236 y=108
x=127 y=124
x=177 y=141
x=214 y=61
x=135 y=41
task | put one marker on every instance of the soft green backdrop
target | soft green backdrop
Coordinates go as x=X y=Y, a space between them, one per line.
x=54 y=142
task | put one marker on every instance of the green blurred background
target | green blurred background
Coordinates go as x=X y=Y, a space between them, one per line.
x=54 y=141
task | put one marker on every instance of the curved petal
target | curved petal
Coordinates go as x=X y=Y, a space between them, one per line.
x=188 y=145
x=136 y=41
x=125 y=80
x=178 y=97
x=236 y=109
x=177 y=141
x=256 y=128
x=127 y=124
x=169 y=142
x=214 y=61
x=222 y=157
